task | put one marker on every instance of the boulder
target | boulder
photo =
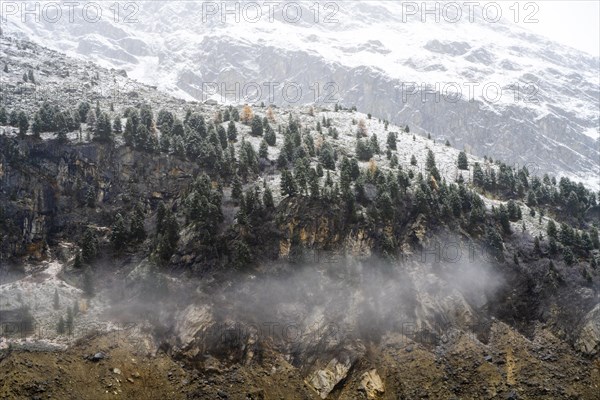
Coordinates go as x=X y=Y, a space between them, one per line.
x=589 y=338
x=371 y=384
x=324 y=380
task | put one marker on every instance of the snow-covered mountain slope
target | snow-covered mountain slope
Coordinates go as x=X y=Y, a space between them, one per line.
x=374 y=54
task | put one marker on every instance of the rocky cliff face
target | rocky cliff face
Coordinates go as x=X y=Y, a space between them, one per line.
x=47 y=189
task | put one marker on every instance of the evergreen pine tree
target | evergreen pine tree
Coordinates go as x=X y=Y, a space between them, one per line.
x=236 y=189
x=263 y=150
x=69 y=322
x=222 y=134
x=257 y=126
x=235 y=115
x=568 y=256
x=494 y=242
x=326 y=157
x=364 y=152
x=268 y=197
x=103 y=130
x=282 y=160
x=117 y=127
x=463 y=163
x=313 y=183
x=13 y=118
x=391 y=141
x=36 y=126
x=270 y=136
x=90 y=197
x=89 y=246
x=288 y=184
x=374 y=144
x=83 y=110
x=167 y=241
x=503 y=218
x=118 y=235
x=551 y=229
x=232 y=131
x=161 y=211
x=531 y=199
x=431 y=166
x=23 y=124
x=91 y=119
x=552 y=245
x=137 y=231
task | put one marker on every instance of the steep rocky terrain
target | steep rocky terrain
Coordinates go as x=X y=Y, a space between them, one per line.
x=393 y=279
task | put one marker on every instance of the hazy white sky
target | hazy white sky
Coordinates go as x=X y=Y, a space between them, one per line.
x=574 y=23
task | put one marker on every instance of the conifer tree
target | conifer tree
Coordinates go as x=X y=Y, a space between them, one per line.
x=463 y=163
x=23 y=124
x=83 y=109
x=137 y=231
x=256 y=126
x=118 y=235
x=263 y=150
x=374 y=144
x=391 y=141
x=268 y=197
x=288 y=184
x=232 y=132
x=13 y=118
x=89 y=246
x=431 y=167
x=551 y=229
x=236 y=188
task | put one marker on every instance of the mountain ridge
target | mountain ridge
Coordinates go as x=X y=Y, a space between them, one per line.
x=372 y=57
